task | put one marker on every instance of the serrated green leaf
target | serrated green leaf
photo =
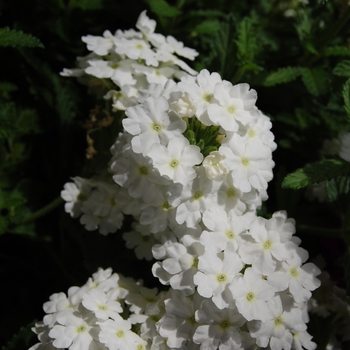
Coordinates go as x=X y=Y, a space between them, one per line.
x=337 y=51
x=246 y=41
x=342 y=69
x=86 y=5
x=282 y=76
x=326 y=169
x=22 y=338
x=346 y=97
x=16 y=38
x=315 y=80
x=162 y=8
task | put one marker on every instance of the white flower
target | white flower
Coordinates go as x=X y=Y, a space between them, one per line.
x=251 y=294
x=151 y=123
x=97 y=302
x=74 y=331
x=215 y=274
x=300 y=279
x=176 y=161
x=100 y=45
x=178 y=323
x=75 y=194
x=267 y=249
x=214 y=165
x=344 y=151
x=201 y=90
x=225 y=229
x=220 y=329
x=117 y=334
x=249 y=163
x=235 y=105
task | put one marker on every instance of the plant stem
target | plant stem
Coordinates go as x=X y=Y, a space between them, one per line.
x=43 y=211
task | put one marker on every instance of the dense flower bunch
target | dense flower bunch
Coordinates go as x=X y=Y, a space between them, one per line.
x=132 y=60
x=108 y=312
x=192 y=166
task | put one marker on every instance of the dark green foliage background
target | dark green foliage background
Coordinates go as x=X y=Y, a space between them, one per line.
x=299 y=67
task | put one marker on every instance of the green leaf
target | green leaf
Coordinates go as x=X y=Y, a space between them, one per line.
x=282 y=76
x=22 y=339
x=346 y=97
x=207 y=27
x=337 y=187
x=16 y=38
x=162 y=8
x=326 y=169
x=337 y=51
x=342 y=69
x=86 y=5
x=315 y=80
x=246 y=42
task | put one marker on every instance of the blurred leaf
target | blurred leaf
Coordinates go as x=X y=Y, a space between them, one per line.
x=342 y=69
x=246 y=42
x=315 y=80
x=207 y=27
x=337 y=51
x=346 y=97
x=337 y=187
x=282 y=76
x=326 y=169
x=162 y=8
x=15 y=38
x=22 y=338
x=86 y=5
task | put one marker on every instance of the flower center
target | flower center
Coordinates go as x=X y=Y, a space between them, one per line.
x=267 y=245
x=278 y=321
x=139 y=46
x=195 y=263
x=245 y=161
x=166 y=206
x=294 y=272
x=102 y=307
x=207 y=97
x=143 y=170
x=221 y=278
x=82 y=197
x=197 y=194
x=231 y=109
x=156 y=127
x=250 y=296
x=225 y=324
x=81 y=328
x=174 y=163
x=230 y=234
x=230 y=192
x=251 y=133
x=120 y=334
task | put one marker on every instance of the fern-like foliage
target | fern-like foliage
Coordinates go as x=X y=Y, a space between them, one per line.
x=346 y=97
x=16 y=38
x=282 y=76
x=342 y=69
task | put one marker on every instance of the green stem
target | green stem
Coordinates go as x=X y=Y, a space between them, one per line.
x=43 y=211
x=324 y=232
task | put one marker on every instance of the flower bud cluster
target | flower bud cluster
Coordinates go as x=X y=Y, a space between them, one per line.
x=132 y=60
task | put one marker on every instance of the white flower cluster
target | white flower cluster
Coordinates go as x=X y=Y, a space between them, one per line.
x=133 y=60
x=96 y=200
x=192 y=166
x=194 y=145
x=108 y=312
